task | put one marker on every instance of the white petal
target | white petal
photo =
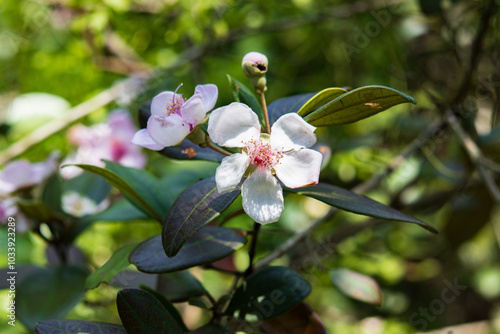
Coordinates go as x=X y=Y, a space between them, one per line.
x=233 y=125
x=193 y=110
x=160 y=102
x=230 y=171
x=290 y=131
x=262 y=197
x=209 y=95
x=169 y=130
x=142 y=138
x=299 y=168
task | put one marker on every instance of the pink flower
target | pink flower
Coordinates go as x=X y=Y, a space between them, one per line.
x=109 y=141
x=21 y=173
x=283 y=154
x=172 y=118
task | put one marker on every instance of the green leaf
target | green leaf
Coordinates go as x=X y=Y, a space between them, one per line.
x=116 y=264
x=89 y=185
x=194 y=208
x=320 y=99
x=78 y=326
x=356 y=105
x=241 y=93
x=124 y=187
x=120 y=211
x=52 y=193
x=357 y=286
x=49 y=293
x=206 y=246
x=141 y=312
x=179 y=286
x=168 y=306
x=36 y=210
x=211 y=329
x=145 y=184
x=268 y=293
x=347 y=200
x=287 y=105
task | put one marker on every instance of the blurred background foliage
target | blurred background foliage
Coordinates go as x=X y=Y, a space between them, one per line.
x=444 y=53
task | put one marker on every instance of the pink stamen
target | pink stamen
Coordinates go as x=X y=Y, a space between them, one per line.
x=176 y=104
x=262 y=154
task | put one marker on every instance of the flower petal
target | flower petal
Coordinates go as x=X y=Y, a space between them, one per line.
x=169 y=130
x=290 y=131
x=193 y=110
x=230 y=171
x=160 y=102
x=143 y=138
x=299 y=168
x=208 y=94
x=232 y=125
x=262 y=197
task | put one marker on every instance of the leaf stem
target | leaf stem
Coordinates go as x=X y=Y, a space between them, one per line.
x=264 y=110
x=218 y=149
x=253 y=247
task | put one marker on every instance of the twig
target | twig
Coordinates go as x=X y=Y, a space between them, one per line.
x=475 y=155
x=253 y=248
x=218 y=149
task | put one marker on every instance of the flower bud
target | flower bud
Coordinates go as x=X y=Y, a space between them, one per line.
x=254 y=66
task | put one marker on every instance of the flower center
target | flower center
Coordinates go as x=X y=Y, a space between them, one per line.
x=262 y=154
x=174 y=107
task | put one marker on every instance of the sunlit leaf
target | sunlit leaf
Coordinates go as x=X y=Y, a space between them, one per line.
x=49 y=293
x=320 y=99
x=352 y=202
x=194 y=208
x=299 y=320
x=141 y=312
x=78 y=326
x=357 y=286
x=206 y=246
x=116 y=264
x=268 y=293
x=179 y=286
x=356 y=105
x=124 y=187
x=287 y=105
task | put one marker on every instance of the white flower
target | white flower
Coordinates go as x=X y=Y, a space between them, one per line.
x=172 y=119
x=282 y=154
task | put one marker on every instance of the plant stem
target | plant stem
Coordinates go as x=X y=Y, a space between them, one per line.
x=253 y=247
x=218 y=149
x=264 y=109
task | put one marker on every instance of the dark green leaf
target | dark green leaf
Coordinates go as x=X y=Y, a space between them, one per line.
x=145 y=184
x=89 y=185
x=194 y=208
x=168 y=306
x=124 y=187
x=35 y=210
x=116 y=264
x=357 y=286
x=241 y=93
x=206 y=246
x=356 y=105
x=120 y=211
x=349 y=201
x=179 y=286
x=269 y=293
x=141 y=312
x=49 y=293
x=78 y=326
x=52 y=193
x=186 y=150
x=211 y=329
x=287 y=105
